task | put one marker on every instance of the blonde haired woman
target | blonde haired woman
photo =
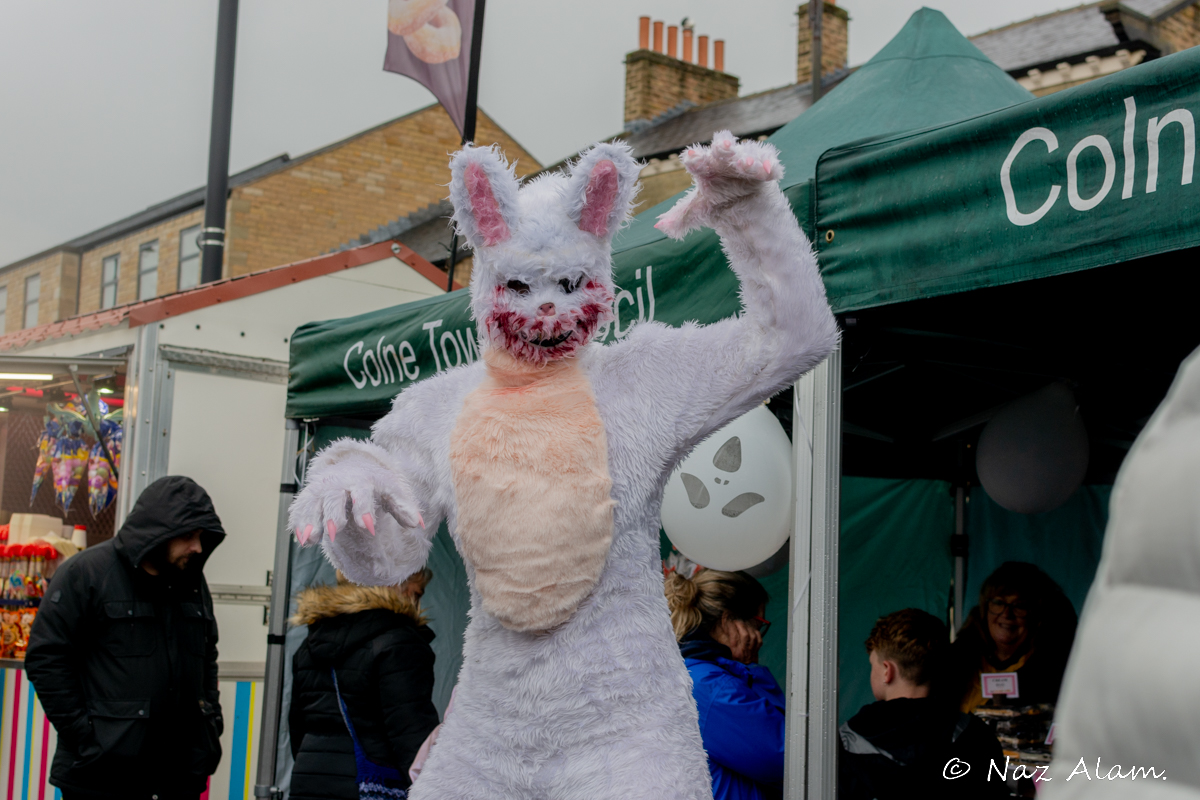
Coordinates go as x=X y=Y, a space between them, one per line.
x=718 y=620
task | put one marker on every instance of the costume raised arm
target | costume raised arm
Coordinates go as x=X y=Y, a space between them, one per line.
x=695 y=379
x=367 y=504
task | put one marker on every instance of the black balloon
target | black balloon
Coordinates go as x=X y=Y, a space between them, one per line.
x=1033 y=454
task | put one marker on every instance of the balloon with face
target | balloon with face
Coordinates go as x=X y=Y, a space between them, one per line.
x=729 y=505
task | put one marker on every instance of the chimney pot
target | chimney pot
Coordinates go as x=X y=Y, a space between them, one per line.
x=687 y=45
x=673 y=41
x=719 y=55
x=702 y=51
x=643 y=33
x=658 y=26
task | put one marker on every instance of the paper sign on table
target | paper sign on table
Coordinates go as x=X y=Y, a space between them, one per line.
x=995 y=683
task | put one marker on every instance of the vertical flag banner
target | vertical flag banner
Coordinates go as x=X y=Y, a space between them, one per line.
x=430 y=42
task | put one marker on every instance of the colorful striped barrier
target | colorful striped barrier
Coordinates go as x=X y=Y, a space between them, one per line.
x=27 y=741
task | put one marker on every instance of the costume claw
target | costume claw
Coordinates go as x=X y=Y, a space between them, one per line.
x=369 y=523
x=421 y=521
x=331 y=528
x=303 y=535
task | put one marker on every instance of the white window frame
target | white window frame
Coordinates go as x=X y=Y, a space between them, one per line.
x=193 y=232
x=32 y=302
x=115 y=260
x=143 y=271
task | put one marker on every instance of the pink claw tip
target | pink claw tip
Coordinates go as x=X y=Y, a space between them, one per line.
x=329 y=526
x=303 y=535
x=658 y=225
x=421 y=521
x=369 y=523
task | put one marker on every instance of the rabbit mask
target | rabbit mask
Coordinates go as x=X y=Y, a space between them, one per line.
x=542 y=278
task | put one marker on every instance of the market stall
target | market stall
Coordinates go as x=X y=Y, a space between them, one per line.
x=192 y=383
x=952 y=305
x=346 y=372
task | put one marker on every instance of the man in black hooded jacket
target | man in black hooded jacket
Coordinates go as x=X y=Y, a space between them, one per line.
x=123 y=655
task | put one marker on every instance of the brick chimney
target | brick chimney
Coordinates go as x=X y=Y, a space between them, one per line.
x=835 y=41
x=656 y=81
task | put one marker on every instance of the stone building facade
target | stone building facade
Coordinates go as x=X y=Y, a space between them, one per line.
x=1056 y=51
x=278 y=212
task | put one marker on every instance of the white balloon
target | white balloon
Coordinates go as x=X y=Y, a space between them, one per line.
x=729 y=504
x=1033 y=454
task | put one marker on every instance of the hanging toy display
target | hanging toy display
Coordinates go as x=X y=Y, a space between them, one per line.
x=69 y=464
x=70 y=448
x=45 y=446
x=102 y=479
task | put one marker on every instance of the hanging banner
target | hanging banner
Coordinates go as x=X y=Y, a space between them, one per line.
x=430 y=42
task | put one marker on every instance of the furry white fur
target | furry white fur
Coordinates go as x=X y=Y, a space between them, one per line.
x=600 y=705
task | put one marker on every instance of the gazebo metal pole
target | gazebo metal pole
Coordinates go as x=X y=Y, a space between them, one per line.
x=281 y=580
x=811 y=749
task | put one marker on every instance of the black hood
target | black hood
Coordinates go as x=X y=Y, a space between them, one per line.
x=904 y=729
x=169 y=507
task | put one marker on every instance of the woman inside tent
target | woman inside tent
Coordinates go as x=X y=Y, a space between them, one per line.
x=1023 y=624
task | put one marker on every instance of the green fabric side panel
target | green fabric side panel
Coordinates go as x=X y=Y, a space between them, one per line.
x=926 y=214
x=894 y=553
x=1065 y=542
x=355 y=366
x=773 y=653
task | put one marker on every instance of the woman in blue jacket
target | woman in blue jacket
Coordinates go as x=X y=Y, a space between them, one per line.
x=718 y=620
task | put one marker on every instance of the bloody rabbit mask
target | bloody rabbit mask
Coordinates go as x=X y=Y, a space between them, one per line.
x=542 y=277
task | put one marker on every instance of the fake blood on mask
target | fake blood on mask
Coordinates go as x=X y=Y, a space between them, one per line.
x=538 y=340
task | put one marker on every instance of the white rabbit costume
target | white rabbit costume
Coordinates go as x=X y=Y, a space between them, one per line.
x=547 y=459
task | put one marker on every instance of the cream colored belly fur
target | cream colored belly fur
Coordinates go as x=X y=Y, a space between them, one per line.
x=529 y=459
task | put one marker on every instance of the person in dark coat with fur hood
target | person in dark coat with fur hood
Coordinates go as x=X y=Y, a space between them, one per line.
x=123 y=655
x=376 y=640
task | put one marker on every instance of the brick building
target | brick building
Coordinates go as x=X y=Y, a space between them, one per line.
x=281 y=211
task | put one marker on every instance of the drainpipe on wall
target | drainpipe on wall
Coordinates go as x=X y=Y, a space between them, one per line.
x=816 y=14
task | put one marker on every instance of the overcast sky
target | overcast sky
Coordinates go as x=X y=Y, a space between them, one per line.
x=104 y=106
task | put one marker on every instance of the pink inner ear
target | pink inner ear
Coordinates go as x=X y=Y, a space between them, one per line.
x=484 y=207
x=600 y=198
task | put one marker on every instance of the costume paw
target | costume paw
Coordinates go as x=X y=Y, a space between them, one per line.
x=360 y=509
x=724 y=172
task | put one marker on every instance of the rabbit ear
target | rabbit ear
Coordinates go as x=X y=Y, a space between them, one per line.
x=483 y=191
x=601 y=188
